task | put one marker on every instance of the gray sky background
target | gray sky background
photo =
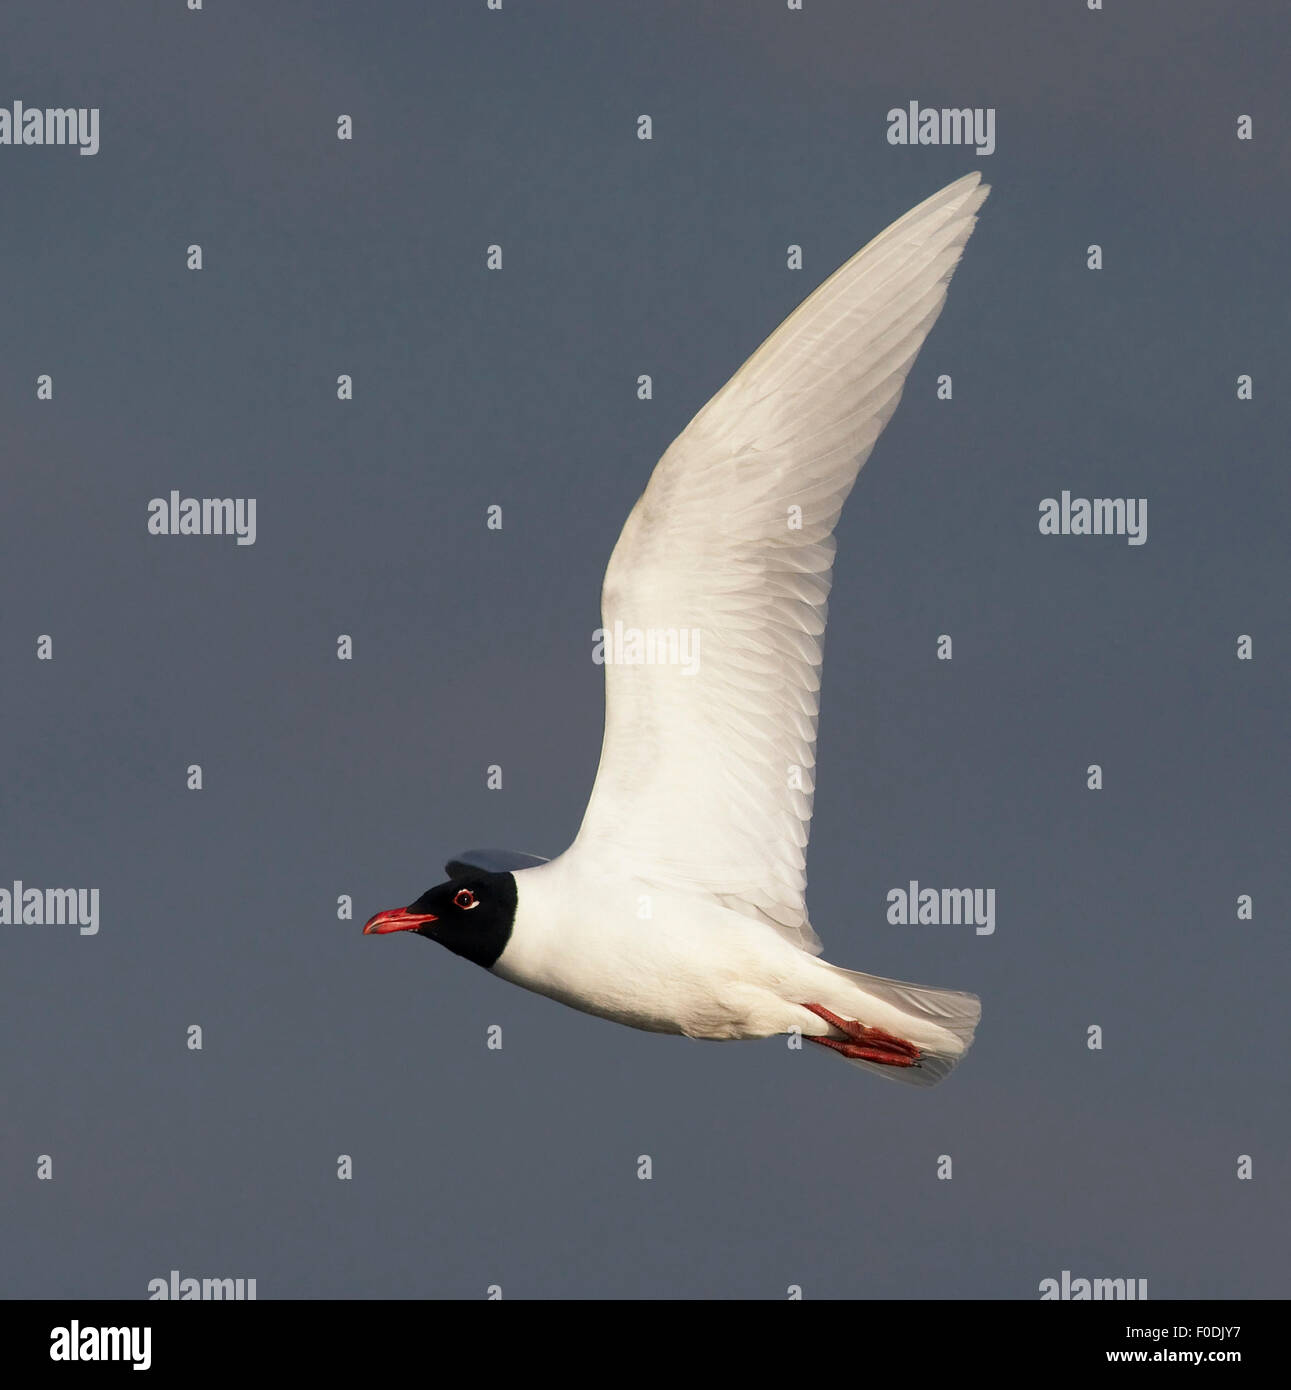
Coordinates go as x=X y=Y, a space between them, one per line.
x=518 y=1167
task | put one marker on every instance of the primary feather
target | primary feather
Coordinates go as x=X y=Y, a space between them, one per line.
x=706 y=780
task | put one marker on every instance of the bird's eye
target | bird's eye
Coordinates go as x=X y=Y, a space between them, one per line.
x=464 y=898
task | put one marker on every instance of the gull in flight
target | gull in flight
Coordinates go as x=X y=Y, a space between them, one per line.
x=681 y=905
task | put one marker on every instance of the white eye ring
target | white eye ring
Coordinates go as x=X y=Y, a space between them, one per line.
x=471 y=899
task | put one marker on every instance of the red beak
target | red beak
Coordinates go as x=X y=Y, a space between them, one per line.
x=397 y=919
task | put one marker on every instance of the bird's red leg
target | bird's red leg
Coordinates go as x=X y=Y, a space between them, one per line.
x=865 y=1044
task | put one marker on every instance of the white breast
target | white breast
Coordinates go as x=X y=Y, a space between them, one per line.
x=652 y=959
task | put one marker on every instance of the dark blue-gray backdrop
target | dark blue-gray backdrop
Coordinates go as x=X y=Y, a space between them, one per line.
x=518 y=1167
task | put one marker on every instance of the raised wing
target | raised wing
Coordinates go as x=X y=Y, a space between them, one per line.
x=714 y=600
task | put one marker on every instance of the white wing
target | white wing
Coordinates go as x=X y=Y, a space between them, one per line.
x=706 y=779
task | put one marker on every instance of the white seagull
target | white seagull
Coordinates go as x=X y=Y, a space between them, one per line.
x=680 y=906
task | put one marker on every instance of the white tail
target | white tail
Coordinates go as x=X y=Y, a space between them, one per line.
x=940 y=1022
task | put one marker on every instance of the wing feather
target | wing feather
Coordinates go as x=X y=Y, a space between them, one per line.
x=706 y=777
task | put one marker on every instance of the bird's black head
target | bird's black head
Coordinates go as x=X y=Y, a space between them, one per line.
x=472 y=914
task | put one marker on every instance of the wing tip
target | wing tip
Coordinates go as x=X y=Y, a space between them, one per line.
x=963 y=198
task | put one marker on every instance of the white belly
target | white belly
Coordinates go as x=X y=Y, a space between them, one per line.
x=689 y=967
